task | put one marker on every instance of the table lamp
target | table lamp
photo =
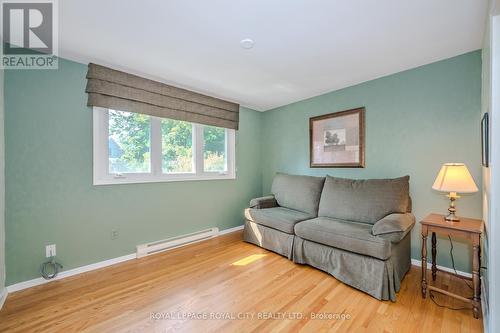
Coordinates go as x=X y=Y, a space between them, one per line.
x=453 y=178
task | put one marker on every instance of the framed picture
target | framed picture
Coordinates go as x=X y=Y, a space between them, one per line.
x=485 y=141
x=337 y=140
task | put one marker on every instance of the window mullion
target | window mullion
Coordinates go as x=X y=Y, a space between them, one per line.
x=231 y=153
x=156 y=146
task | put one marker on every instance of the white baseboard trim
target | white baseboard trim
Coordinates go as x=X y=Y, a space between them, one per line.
x=82 y=269
x=64 y=274
x=3 y=297
x=418 y=263
x=227 y=231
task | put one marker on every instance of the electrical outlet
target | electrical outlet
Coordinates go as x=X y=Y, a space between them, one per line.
x=115 y=233
x=50 y=250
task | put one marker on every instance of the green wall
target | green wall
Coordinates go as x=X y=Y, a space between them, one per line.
x=415 y=121
x=50 y=196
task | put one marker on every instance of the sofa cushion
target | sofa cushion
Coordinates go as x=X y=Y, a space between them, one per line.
x=364 y=201
x=350 y=236
x=300 y=193
x=279 y=218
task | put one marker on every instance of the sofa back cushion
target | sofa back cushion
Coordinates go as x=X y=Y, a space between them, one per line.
x=366 y=200
x=301 y=193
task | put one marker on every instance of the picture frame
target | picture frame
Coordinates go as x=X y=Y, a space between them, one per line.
x=337 y=140
x=485 y=140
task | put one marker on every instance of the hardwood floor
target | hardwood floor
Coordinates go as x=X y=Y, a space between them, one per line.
x=223 y=277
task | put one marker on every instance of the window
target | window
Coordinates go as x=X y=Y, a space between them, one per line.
x=135 y=148
x=177 y=146
x=129 y=142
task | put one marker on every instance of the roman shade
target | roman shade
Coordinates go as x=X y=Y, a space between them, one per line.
x=109 y=88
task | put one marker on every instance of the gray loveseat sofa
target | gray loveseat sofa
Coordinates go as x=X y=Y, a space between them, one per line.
x=356 y=230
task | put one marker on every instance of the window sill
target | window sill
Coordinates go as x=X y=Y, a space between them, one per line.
x=144 y=180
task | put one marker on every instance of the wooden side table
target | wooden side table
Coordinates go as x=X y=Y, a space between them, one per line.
x=466 y=228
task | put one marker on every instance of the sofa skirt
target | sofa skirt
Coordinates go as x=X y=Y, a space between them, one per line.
x=268 y=238
x=378 y=278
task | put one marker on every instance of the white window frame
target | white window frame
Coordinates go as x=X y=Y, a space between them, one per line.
x=101 y=161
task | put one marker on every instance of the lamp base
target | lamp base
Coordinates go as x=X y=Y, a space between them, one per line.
x=451 y=217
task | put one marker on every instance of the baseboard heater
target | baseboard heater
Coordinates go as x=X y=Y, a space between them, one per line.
x=174 y=242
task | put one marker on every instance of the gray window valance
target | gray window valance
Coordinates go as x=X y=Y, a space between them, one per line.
x=118 y=90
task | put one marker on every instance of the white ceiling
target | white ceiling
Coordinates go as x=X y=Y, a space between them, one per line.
x=302 y=48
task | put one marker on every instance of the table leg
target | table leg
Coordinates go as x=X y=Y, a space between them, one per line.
x=434 y=268
x=476 y=282
x=424 y=262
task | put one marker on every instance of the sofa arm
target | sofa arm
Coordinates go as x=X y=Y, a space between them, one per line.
x=263 y=202
x=394 y=227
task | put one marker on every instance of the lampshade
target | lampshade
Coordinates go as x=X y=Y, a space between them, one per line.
x=454 y=177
